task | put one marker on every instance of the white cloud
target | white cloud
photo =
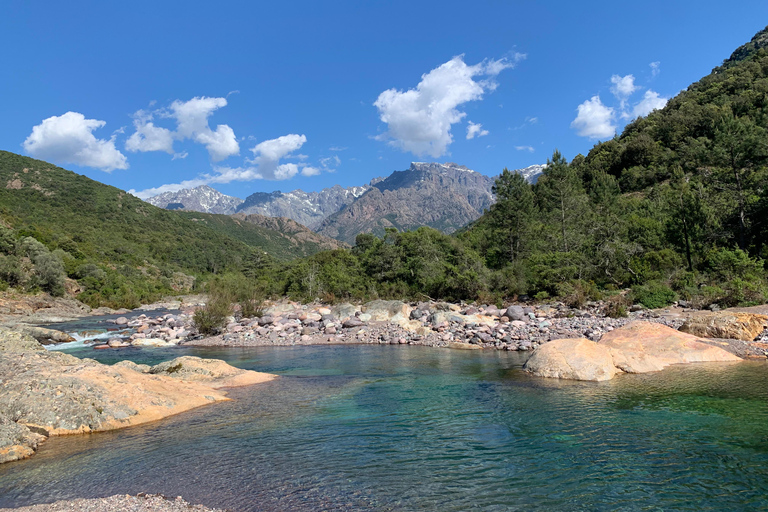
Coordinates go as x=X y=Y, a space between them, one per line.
x=265 y=165
x=310 y=171
x=419 y=120
x=191 y=123
x=69 y=139
x=330 y=163
x=475 y=130
x=623 y=86
x=337 y=148
x=149 y=137
x=594 y=120
x=655 y=69
x=525 y=148
x=268 y=154
x=651 y=101
x=172 y=187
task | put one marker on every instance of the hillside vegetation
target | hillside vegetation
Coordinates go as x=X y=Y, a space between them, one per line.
x=120 y=249
x=676 y=207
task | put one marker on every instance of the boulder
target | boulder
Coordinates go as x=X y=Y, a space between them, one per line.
x=641 y=347
x=43 y=335
x=343 y=311
x=516 y=313
x=352 y=322
x=724 y=324
x=576 y=359
x=383 y=310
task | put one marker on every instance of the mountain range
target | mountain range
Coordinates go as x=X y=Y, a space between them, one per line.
x=443 y=196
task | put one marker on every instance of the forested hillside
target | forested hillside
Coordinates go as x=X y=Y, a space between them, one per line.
x=120 y=249
x=674 y=207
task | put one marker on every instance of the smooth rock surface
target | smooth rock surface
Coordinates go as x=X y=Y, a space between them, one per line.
x=576 y=359
x=641 y=347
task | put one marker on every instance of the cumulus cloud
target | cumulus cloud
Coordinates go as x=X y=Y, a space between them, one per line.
x=475 y=130
x=623 y=86
x=651 y=101
x=419 y=120
x=268 y=154
x=149 y=137
x=191 y=123
x=310 y=171
x=266 y=164
x=525 y=148
x=69 y=139
x=655 y=68
x=594 y=120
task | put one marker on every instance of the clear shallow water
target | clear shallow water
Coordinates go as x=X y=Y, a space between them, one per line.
x=412 y=428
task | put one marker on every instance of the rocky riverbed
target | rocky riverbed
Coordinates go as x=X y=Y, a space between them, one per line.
x=515 y=328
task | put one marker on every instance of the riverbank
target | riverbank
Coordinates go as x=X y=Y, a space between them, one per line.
x=154 y=503
x=47 y=393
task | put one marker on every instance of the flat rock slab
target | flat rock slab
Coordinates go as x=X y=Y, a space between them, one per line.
x=638 y=347
x=726 y=324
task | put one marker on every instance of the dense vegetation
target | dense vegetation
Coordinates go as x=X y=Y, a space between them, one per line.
x=120 y=250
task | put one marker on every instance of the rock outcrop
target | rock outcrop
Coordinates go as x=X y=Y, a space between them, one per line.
x=726 y=324
x=638 y=347
x=641 y=347
x=46 y=393
x=575 y=359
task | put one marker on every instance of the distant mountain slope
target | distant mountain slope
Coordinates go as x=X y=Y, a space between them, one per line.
x=307 y=208
x=442 y=196
x=286 y=238
x=199 y=199
x=532 y=172
x=100 y=223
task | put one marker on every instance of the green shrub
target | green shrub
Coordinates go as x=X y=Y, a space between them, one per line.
x=213 y=316
x=654 y=295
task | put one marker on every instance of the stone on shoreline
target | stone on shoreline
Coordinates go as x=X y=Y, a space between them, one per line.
x=724 y=324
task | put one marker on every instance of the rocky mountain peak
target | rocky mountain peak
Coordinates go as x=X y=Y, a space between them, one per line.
x=199 y=199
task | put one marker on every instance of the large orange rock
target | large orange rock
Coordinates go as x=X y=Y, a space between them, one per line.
x=576 y=359
x=725 y=324
x=641 y=347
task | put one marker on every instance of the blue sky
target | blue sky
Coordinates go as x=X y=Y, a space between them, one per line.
x=255 y=96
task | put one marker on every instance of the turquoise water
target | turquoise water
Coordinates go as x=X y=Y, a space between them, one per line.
x=413 y=428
